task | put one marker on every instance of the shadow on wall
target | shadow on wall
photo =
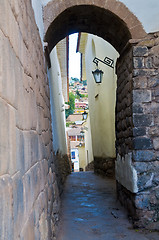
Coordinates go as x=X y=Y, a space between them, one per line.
x=105 y=166
x=90 y=166
x=62 y=169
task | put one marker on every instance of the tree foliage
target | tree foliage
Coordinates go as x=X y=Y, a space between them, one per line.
x=75 y=79
x=78 y=93
x=71 y=103
x=84 y=82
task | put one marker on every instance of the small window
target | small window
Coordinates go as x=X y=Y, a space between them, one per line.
x=78 y=138
x=72 y=138
x=73 y=155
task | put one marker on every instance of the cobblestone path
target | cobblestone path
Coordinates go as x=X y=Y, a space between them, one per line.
x=90 y=211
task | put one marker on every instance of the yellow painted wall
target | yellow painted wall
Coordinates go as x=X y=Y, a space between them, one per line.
x=101 y=108
x=82 y=158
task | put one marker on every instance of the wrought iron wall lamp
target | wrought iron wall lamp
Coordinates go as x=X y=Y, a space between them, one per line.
x=98 y=74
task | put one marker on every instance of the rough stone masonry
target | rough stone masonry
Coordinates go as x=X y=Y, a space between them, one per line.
x=138 y=130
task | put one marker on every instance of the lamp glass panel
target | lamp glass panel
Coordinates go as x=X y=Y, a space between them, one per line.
x=98 y=75
x=85 y=116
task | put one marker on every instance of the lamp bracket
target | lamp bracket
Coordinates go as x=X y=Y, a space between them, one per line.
x=108 y=61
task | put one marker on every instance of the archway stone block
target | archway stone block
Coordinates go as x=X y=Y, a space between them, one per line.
x=56 y=14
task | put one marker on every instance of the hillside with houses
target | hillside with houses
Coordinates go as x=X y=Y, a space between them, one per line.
x=76 y=124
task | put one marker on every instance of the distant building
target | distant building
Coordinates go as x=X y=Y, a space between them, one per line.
x=76 y=145
x=81 y=103
x=74 y=134
x=74 y=156
x=74 y=118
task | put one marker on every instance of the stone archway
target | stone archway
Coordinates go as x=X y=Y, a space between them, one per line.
x=137 y=99
x=110 y=20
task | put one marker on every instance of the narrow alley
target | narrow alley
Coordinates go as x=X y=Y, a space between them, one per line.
x=90 y=211
x=105 y=117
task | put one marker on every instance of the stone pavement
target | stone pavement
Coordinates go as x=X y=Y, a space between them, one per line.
x=90 y=211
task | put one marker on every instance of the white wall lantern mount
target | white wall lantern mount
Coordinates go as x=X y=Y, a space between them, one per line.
x=98 y=74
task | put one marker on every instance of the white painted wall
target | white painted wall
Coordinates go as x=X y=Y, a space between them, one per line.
x=37 y=7
x=45 y=2
x=125 y=172
x=57 y=105
x=88 y=142
x=102 y=97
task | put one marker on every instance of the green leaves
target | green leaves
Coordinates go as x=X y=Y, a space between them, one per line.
x=71 y=103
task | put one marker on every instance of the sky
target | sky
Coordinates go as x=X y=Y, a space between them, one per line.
x=74 y=58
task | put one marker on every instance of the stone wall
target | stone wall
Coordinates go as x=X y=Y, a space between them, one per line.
x=142 y=200
x=124 y=124
x=29 y=199
x=125 y=172
x=90 y=166
x=62 y=169
x=104 y=166
x=146 y=128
